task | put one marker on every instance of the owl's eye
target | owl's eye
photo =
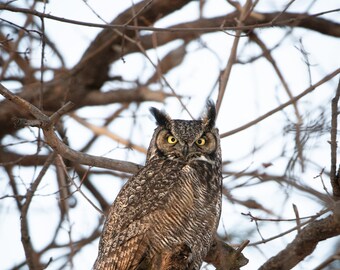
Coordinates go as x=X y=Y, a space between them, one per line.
x=200 y=141
x=172 y=140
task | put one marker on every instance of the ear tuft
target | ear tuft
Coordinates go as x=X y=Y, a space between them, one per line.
x=162 y=119
x=210 y=116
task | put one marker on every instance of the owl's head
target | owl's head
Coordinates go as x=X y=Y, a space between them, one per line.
x=185 y=140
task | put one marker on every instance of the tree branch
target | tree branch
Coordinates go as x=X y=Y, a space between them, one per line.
x=256 y=20
x=31 y=256
x=303 y=244
x=282 y=106
x=334 y=175
x=225 y=74
x=61 y=148
x=224 y=257
x=90 y=73
x=10 y=159
x=224 y=253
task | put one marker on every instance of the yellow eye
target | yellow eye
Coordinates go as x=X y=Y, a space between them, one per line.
x=172 y=140
x=200 y=141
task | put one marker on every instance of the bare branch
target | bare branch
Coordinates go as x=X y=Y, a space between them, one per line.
x=299 y=119
x=65 y=151
x=334 y=175
x=78 y=187
x=257 y=20
x=104 y=131
x=26 y=62
x=223 y=256
x=279 y=108
x=303 y=244
x=127 y=95
x=329 y=260
x=298 y=219
x=225 y=74
x=31 y=256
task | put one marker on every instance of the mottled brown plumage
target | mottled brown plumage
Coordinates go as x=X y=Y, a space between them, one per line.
x=166 y=215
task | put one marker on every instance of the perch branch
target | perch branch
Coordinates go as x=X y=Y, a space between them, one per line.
x=224 y=257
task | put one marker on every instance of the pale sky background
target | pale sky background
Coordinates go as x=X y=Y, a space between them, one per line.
x=252 y=91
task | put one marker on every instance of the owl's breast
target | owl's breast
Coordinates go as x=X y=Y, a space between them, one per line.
x=190 y=213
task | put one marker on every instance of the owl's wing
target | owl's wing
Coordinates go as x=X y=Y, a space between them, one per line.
x=124 y=240
x=125 y=252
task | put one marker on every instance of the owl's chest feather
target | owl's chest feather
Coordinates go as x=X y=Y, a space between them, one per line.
x=190 y=213
x=194 y=198
x=195 y=182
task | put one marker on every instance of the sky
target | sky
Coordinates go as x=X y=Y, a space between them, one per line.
x=252 y=91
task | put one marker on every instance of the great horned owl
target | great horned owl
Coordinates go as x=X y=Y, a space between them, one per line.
x=166 y=215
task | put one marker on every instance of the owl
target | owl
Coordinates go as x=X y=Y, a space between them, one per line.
x=165 y=216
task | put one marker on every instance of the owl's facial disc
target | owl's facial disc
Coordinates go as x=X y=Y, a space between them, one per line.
x=198 y=147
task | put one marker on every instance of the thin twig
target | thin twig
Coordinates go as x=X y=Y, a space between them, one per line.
x=311 y=219
x=160 y=29
x=303 y=244
x=107 y=122
x=12 y=48
x=104 y=131
x=31 y=256
x=283 y=11
x=54 y=142
x=143 y=51
x=323 y=184
x=135 y=14
x=252 y=218
x=224 y=78
x=298 y=220
x=334 y=176
x=329 y=260
x=42 y=64
x=59 y=113
x=242 y=246
x=282 y=106
x=23 y=104
x=78 y=188
x=299 y=122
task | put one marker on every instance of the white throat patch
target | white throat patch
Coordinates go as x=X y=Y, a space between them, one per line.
x=203 y=158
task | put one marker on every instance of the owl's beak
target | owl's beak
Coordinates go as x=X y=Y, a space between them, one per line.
x=185 y=150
